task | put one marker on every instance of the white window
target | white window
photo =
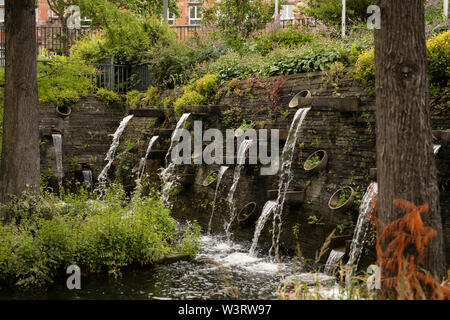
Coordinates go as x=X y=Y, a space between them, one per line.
x=287 y=12
x=53 y=14
x=2 y=2
x=195 y=15
x=171 y=18
x=2 y=15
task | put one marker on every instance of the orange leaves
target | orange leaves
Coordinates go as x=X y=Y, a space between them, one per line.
x=398 y=246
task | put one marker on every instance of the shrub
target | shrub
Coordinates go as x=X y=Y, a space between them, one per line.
x=365 y=71
x=329 y=11
x=134 y=99
x=438 y=57
x=123 y=172
x=202 y=91
x=207 y=85
x=188 y=98
x=439 y=60
x=64 y=80
x=152 y=95
x=107 y=97
x=284 y=38
x=97 y=236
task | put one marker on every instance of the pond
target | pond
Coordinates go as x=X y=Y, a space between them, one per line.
x=222 y=270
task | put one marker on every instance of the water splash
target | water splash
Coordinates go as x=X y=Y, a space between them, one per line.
x=143 y=163
x=436 y=148
x=332 y=261
x=167 y=175
x=244 y=146
x=286 y=174
x=267 y=210
x=362 y=225
x=87 y=178
x=57 y=144
x=222 y=171
x=110 y=155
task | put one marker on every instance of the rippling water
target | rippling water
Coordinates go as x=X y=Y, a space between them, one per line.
x=222 y=270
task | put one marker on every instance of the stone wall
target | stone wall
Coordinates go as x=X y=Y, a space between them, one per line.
x=344 y=130
x=85 y=137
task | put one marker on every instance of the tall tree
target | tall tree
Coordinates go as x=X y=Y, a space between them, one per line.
x=405 y=159
x=20 y=161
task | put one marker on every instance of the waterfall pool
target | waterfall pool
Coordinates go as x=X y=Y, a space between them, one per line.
x=244 y=277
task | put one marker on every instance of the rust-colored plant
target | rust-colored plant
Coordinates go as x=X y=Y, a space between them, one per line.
x=401 y=248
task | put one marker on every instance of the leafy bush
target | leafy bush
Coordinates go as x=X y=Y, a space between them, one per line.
x=133 y=99
x=202 y=91
x=64 y=80
x=438 y=57
x=97 y=236
x=188 y=98
x=238 y=18
x=365 y=71
x=207 y=85
x=152 y=95
x=107 y=97
x=439 y=60
x=284 y=38
x=123 y=172
x=330 y=11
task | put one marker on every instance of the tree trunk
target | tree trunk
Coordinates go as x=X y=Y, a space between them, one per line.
x=20 y=162
x=405 y=159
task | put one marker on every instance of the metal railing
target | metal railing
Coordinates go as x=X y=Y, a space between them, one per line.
x=185 y=32
x=54 y=39
x=285 y=24
x=110 y=76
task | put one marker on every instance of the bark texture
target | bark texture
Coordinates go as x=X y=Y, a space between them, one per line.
x=405 y=159
x=19 y=167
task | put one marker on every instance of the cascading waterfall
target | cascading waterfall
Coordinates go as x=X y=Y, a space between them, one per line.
x=436 y=148
x=219 y=178
x=57 y=144
x=236 y=176
x=87 y=178
x=110 y=155
x=143 y=162
x=362 y=225
x=267 y=210
x=167 y=174
x=286 y=175
x=332 y=261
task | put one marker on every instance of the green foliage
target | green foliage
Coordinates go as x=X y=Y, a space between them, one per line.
x=439 y=68
x=152 y=95
x=212 y=177
x=344 y=195
x=314 y=220
x=202 y=91
x=188 y=98
x=133 y=99
x=365 y=71
x=123 y=172
x=438 y=57
x=283 y=38
x=330 y=11
x=312 y=162
x=44 y=236
x=434 y=20
x=63 y=81
x=208 y=85
x=232 y=118
x=238 y=18
x=190 y=242
x=107 y=97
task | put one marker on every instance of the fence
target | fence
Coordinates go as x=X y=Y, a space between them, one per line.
x=110 y=76
x=54 y=39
